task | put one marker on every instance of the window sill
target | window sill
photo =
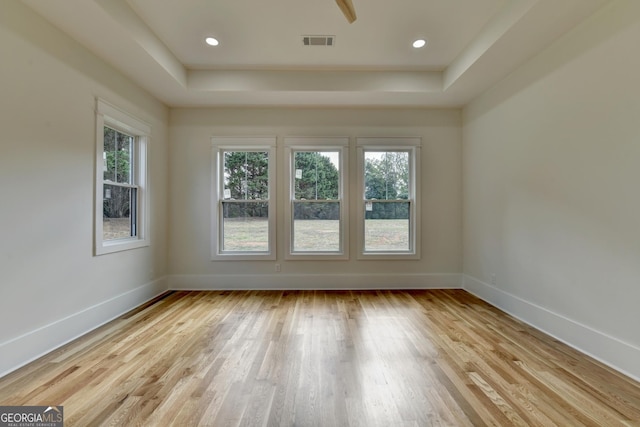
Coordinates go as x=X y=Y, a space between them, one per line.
x=243 y=257
x=110 y=247
x=377 y=256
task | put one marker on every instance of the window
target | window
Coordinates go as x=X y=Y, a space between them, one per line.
x=244 y=217
x=121 y=191
x=388 y=206
x=316 y=213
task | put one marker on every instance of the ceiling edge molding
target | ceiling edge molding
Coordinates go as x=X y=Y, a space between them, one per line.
x=314 y=81
x=128 y=19
x=495 y=29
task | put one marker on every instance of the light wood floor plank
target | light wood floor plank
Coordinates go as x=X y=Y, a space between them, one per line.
x=323 y=358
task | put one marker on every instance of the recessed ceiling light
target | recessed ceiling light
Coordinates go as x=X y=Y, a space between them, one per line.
x=419 y=43
x=212 y=41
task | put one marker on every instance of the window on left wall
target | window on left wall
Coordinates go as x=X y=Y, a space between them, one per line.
x=121 y=195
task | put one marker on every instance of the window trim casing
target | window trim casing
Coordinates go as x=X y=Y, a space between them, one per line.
x=220 y=144
x=413 y=146
x=331 y=143
x=119 y=120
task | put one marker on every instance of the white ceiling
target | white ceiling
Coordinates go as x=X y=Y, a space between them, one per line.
x=261 y=59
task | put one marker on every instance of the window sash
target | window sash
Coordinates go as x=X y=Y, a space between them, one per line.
x=253 y=237
x=224 y=245
x=260 y=245
x=313 y=246
x=137 y=133
x=131 y=144
x=115 y=235
x=325 y=236
x=299 y=173
x=405 y=244
x=132 y=217
x=390 y=242
x=223 y=178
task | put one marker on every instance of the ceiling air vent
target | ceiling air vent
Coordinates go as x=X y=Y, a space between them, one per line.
x=318 y=40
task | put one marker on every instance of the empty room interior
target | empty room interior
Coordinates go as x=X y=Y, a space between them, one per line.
x=321 y=212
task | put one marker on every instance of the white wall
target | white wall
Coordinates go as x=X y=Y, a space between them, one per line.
x=551 y=166
x=190 y=166
x=52 y=288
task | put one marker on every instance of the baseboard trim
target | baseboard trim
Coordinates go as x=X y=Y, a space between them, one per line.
x=314 y=281
x=607 y=349
x=24 y=349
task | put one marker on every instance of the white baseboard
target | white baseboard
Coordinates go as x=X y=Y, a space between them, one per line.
x=607 y=349
x=314 y=281
x=28 y=347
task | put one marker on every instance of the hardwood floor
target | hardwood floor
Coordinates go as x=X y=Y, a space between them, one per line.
x=323 y=358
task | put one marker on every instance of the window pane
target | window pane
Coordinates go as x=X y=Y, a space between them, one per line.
x=386 y=175
x=117 y=156
x=386 y=226
x=118 y=214
x=245 y=226
x=246 y=175
x=316 y=175
x=316 y=227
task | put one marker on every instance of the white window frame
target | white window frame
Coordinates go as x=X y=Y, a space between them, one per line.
x=111 y=116
x=317 y=144
x=411 y=145
x=221 y=144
